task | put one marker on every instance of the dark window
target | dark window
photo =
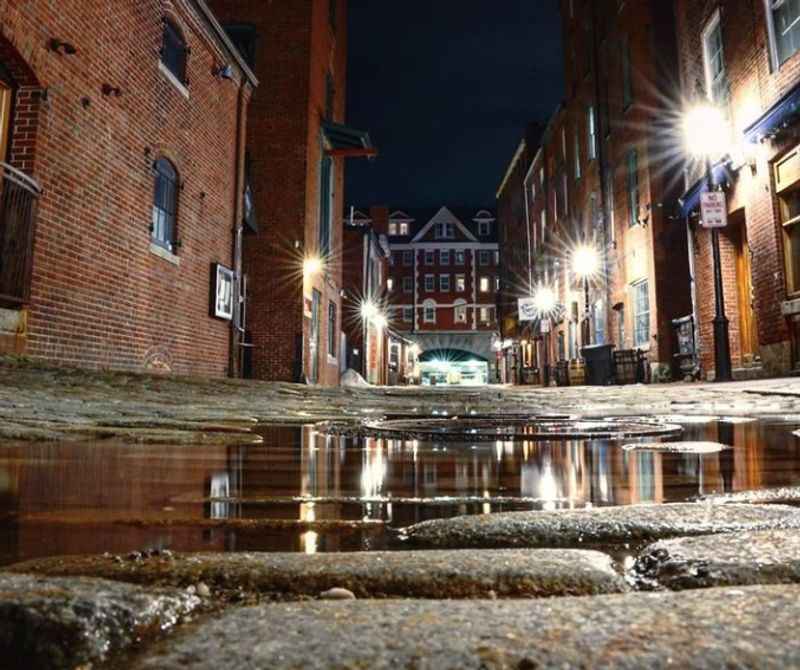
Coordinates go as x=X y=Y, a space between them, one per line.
x=332 y=329
x=165 y=204
x=633 y=188
x=627 y=75
x=245 y=39
x=330 y=96
x=332 y=13
x=174 y=51
x=325 y=205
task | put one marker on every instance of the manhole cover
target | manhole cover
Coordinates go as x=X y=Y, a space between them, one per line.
x=486 y=428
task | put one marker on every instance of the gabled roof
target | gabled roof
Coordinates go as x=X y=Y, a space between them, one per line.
x=444 y=215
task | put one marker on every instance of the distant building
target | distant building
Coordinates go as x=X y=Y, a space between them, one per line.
x=296 y=145
x=121 y=184
x=444 y=274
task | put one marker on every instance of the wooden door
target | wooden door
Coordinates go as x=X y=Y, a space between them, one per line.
x=744 y=289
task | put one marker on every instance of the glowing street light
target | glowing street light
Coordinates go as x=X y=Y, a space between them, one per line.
x=544 y=300
x=369 y=310
x=585 y=264
x=707 y=136
x=312 y=266
x=379 y=321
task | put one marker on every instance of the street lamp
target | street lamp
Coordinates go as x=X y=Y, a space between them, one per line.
x=312 y=265
x=544 y=299
x=706 y=137
x=585 y=264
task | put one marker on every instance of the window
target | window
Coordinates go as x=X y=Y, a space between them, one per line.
x=577 y=155
x=591 y=130
x=404 y=229
x=497 y=258
x=787 y=186
x=612 y=235
x=325 y=204
x=543 y=223
x=392 y=229
x=174 y=52
x=430 y=283
x=429 y=311
x=408 y=258
x=408 y=284
x=541 y=177
x=444 y=257
x=461 y=283
x=633 y=187
x=245 y=38
x=784 y=29
x=460 y=311
x=459 y=258
x=390 y=284
x=714 y=62
x=445 y=231
x=483 y=228
x=430 y=258
x=627 y=78
x=165 y=204
x=444 y=283
x=484 y=284
x=564 y=144
x=330 y=96
x=332 y=329
x=565 y=193
x=641 y=314
x=497 y=283
x=408 y=314
x=484 y=257
x=486 y=315
x=332 y=13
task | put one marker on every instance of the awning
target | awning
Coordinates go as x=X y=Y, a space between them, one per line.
x=776 y=118
x=690 y=200
x=450 y=356
x=348 y=142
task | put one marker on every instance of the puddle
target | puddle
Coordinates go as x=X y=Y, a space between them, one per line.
x=304 y=491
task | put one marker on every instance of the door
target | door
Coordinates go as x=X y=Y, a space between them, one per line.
x=313 y=344
x=5 y=115
x=744 y=288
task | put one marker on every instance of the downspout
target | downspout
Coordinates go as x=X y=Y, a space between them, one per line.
x=238 y=217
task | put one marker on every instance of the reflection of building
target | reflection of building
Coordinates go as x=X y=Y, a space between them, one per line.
x=122 y=181
x=296 y=146
x=442 y=282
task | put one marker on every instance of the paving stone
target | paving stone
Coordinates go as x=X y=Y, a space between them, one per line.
x=74 y=622
x=764 y=557
x=745 y=627
x=602 y=526
x=783 y=494
x=415 y=574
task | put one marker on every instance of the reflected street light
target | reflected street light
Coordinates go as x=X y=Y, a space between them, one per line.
x=706 y=136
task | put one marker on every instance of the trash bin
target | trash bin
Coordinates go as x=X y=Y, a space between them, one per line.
x=626 y=364
x=599 y=364
x=562 y=373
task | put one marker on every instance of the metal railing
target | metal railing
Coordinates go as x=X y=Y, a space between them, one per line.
x=19 y=195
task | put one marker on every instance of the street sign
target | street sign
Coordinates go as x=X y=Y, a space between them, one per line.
x=713 y=210
x=527 y=309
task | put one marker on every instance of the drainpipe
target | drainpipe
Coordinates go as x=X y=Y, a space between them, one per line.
x=238 y=216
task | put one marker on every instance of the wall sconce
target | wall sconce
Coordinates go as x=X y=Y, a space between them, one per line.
x=108 y=90
x=223 y=72
x=57 y=46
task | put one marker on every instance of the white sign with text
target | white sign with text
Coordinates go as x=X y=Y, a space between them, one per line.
x=713 y=210
x=527 y=309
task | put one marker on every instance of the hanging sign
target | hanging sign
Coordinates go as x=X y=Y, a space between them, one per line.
x=527 y=309
x=713 y=210
x=545 y=326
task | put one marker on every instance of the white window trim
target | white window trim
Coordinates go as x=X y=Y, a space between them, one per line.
x=711 y=25
x=163 y=69
x=428 y=304
x=166 y=254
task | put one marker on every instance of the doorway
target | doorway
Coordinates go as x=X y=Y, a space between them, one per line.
x=748 y=334
x=6 y=96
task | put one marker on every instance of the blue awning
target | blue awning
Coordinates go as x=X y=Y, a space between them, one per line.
x=776 y=118
x=690 y=200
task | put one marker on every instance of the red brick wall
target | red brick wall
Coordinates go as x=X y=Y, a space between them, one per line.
x=296 y=49
x=100 y=298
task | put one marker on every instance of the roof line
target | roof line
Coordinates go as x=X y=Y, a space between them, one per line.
x=511 y=166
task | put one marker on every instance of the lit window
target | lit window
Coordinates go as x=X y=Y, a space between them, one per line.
x=390 y=284
x=641 y=314
x=497 y=283
x=444 y=257
x=784 y=18
x=430 y=283
x=404 y=229
x=633 y=188
x=444 y=283
x=174 y=51
x=461 y=283
x=408 y=284
x=485 y=314
x=459 y=258
x=165 y=204
x=460 y=311
x=591 y=127
x=484 y=284
x=392 y=229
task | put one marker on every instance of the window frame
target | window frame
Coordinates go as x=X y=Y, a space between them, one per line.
x=408 y=285
x=178 y=41
x=444 y=283
x=408 y=314
x=484 y=284
x=429 y=305
x=460 y=311
x=430 y=258
x=772 y=33
x=638 y=317
x=169 y=240
x=632 y=172
x=408 y=258
x=591 y=133
x=461 y=280
x=713 y=25
x=332 y=322
x=444 y=257
x=430 y=283
x=484 y=228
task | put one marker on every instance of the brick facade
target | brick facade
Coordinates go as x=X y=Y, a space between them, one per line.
x=299 y=45
x=100 y=295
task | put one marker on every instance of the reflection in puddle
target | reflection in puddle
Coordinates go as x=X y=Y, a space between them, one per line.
x=293 y=492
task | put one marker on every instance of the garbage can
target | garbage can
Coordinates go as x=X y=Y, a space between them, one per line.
x=562 y=373
x=599 y=364
x=626 y=365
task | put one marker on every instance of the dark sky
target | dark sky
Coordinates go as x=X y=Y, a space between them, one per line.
x=446 y=89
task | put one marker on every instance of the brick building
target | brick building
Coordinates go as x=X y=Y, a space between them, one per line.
x=599 y=179
x=742 y=57
x=122 y=157
x=296 y=151
x=443 y=281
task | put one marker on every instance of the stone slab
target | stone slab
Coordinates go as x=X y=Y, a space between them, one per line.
x=416 y=574
x=764 y=557
x=602 y=526
x=73 y=622
x=745 y=627
x=783 y=494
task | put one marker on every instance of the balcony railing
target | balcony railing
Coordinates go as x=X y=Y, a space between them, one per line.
x=19 y=195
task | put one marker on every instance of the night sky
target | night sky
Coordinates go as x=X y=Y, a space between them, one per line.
x=446 y=89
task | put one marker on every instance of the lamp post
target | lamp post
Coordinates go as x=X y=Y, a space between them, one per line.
x=585 y=263
x=545 y=302
x=707 y=137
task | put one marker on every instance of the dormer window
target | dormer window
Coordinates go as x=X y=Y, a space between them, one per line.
x=392 y=229
x=404 y=229
x=174 y=52
x=484 y=228
x=445 y=231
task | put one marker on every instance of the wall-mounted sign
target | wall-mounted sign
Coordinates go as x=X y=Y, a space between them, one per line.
x=527 y=309
x=713 y=210
x=222 y=279
x=545 y=326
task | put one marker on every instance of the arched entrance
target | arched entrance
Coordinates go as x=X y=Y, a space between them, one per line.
x=454 y=367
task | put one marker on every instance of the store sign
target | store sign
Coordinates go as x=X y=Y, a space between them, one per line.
x=713 y=210
x=222 y=279
x=527 y=309
x=545 y=326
